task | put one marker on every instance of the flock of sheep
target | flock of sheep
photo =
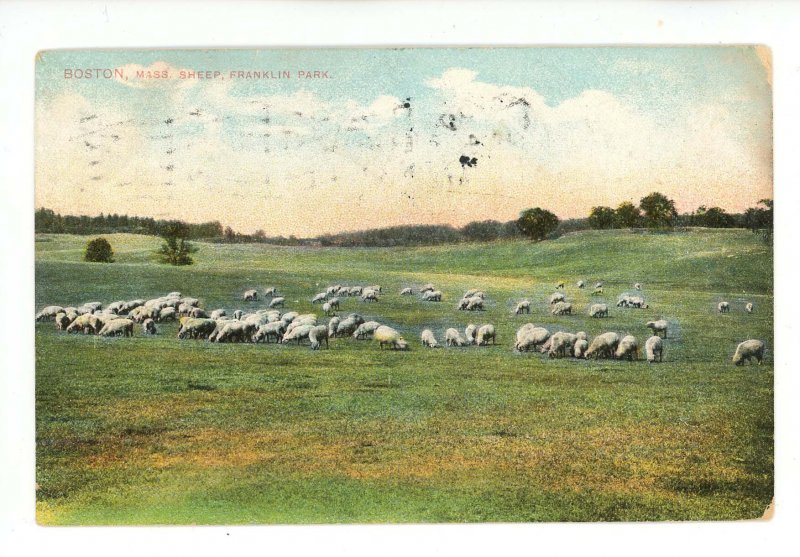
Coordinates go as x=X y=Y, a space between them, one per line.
x=269 y=324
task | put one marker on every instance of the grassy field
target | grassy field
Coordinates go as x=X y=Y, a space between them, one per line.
x=162 y=431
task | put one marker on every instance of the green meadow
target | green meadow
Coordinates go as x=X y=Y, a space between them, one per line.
x=155 y=430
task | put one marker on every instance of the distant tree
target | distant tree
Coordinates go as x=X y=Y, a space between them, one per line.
x=482 y=231
x=259 y=235
x=658 y=210
x=628 y=215
x=99 y=251
x=537 y=223
x=176 y=250
x=601 y=218
x=715 y=217
x=759 y=219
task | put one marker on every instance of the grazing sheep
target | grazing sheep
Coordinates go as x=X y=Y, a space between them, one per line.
x=298 y=334
x=250 y=296
x=530 y=337
x=149 y=327
x=453 y=338
x=428 y=339
x=81 y=324
x=217 y=313
x=326 y=308
x=355 y=291
x=470 y=293
x=462 y=303
x=432 y=296
x=234 y=331
x=62 y=321
x=365 y=330
x=469 y=333
x=747 y=350
x=562 y=308
x=94 y=306
x=598 y=310
x=523 y=307
x=427 y=287
x=387 y=336
x=198 y=313
x=557 y=297
x=289 y=316
x=561 y=344
x=637 y=302
x=579 y=350
x=332 y=325
x=331 y=290
x=581 y=284
x=184 y=309
x=277 y=302
x=603 y=346
x=406 y=292
x=316 y=335
x=115 y=307
x=376 y=288
x=192 y=327
x=749 y=307
x=334 y=303
x=117 y=328
x=658 y=327
x=301 y=320
x=637 y=286
x=560 y=285
x=475 y=304
x=628 y=348
x=271 y=291
x=167 y=314
x=275 y=329
x=188 y=301
x=369 y=295
x=346 y=327
x=319 y=298
x=654 y=348
x=173 y=295
x=724 y=307
x=49 y=313
x=485 y=332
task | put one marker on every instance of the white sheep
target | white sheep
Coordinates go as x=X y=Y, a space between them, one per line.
x=217 y=313
x=428 y=339
x=149 y=327
x=289 y=316
x=62 y=321
x=453 y=338
x=603 y=346
x=628 y=348
x=749 y=349
x=598 y=310
x=387 y=336
x=369 y=295
x=49 y=313
x=557 y=297
x=485 y=332
x=334 y=303
x=167 y=314
x=562 y=308
x=523 y=307
x=469 y=333
x=117 y=327
x=297 y=333
x=470 y=293
x=475 y=304
x=723 y=307
x=406 y=292
x=192 y=327
x=198 y=313
x=277 y=302
x=332 y=324
x=316 y=335
x=560 y=344
x=749 y=307
x=580 y=347
x=658 y=327
x=654 y=349
x=271 y=291
x=427 y=287
x=326 y=308
x=250 y=296
x=319 y=298
x=581 y=284
x=530 y=337
x=274 y=329
x=432 y=296
x=346 y=327
x=365 y=330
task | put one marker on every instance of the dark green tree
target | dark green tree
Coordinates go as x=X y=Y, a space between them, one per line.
x=99 y=251
x=658 y=210
x=537 y=223
x=176 y=250
x=628 y=215
x=482 y=231
x=601 y=218
x=715 y=217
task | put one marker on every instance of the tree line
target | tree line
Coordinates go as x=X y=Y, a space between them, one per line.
x=48 y=221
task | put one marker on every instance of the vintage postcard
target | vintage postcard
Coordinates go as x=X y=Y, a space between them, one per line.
x=421 y=285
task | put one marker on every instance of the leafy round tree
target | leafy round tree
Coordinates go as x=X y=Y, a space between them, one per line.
x=537 y=223
x=176 y=250
x=601 y=217
x=628 y=215
x=658 y=210
x=99 y=251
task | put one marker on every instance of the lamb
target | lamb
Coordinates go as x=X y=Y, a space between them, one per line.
x=432 y=296
x=316 y=335
x=49 y=313
x=298 y=334
x=749 y=349
x=149 y=327
x=469 y=333
x=387 y=336
x=580 y=347
x=628 y=348
x=453 y=338
x=530 y=336
x=654 y=348
x=749 y=307
x=523 y=307
x=167 y=314
x=364 y=330
x=217 y=313
x=658 y=327
x=598 y=310
x=562 y=308
x=319 y=298
x=277 y=302
x=724 y=307
x=269 y=330
x=117 y=327
x=557 y=297
x=428 y=339
x=485 y=332
x=369 y=295
x=250 y=296
x=581 y=284
x=192 y=327
x=561 y=344
x=603 y=346
x=406 y=292
x=271 y=291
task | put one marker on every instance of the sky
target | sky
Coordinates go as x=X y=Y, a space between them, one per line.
x=381 y=137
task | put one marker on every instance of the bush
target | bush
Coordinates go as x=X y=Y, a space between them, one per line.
x=99 y=251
